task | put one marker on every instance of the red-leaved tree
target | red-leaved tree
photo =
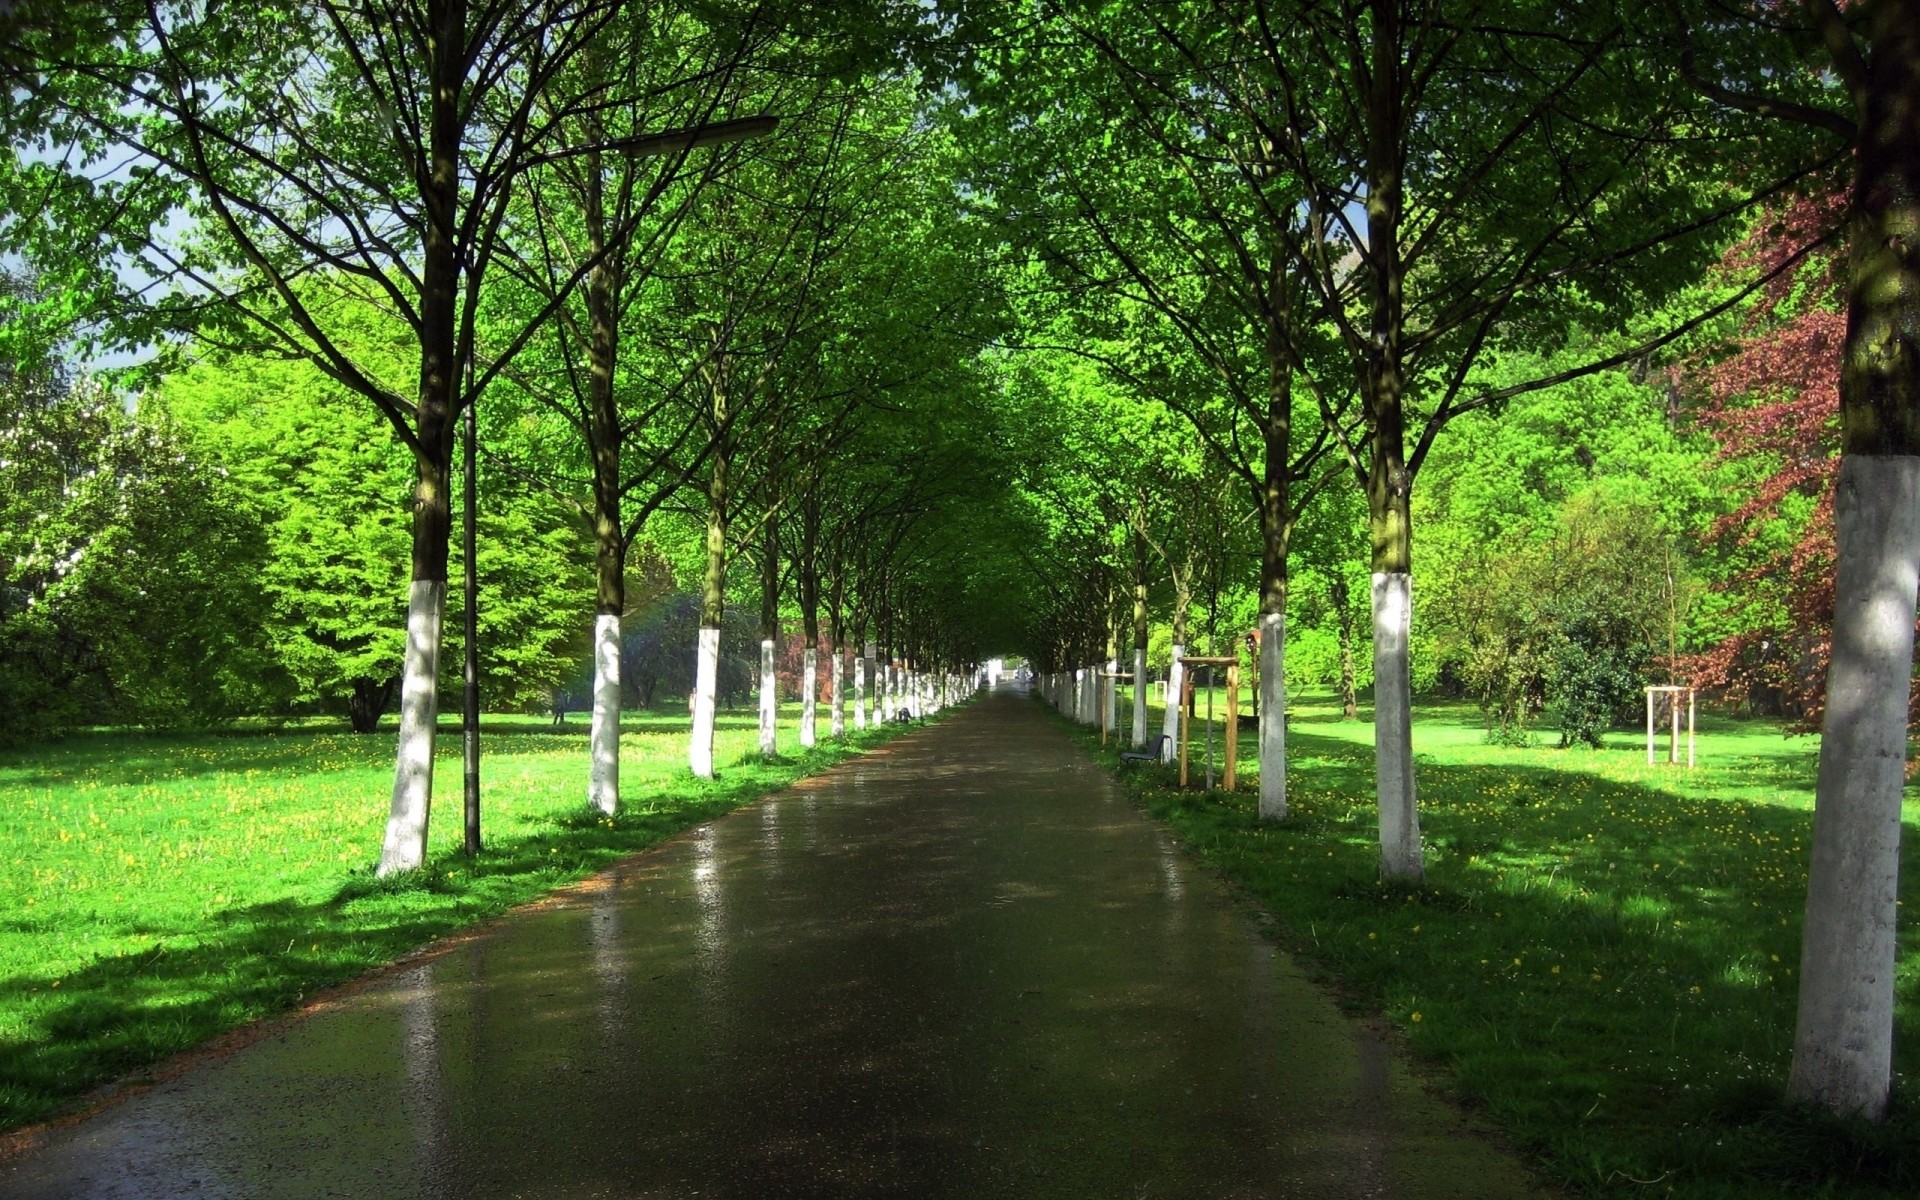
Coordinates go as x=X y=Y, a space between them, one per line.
x=1772 y=398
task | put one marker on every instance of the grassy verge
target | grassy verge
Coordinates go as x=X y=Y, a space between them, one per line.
x=164 y=889
x=1602 y=955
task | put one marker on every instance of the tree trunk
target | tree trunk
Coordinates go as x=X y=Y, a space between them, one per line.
x=810 y=689
x=367 y=701
x=1176 y=676
x=769 y=641
x=1343 y=605
x=839 y=664
x=1388 y=483
x=405 y=846
x=470 y=634
x=1276 y=523
x=1108 y=689
x=1400 y=852
x=1400 y=849
x=1843 y=1040
x=713 y=600
x=1139 y=639
x=865 y=685
x=603 y=776
x=610 y=551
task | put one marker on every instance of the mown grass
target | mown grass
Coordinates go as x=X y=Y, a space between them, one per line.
x=161 y=889
x=1602 y=954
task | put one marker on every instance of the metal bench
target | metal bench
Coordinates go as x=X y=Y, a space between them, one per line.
x=1151 y=752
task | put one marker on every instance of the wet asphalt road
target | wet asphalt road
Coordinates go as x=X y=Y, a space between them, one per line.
x=963 y=966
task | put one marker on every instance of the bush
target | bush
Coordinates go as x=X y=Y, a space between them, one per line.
x=1558 y=620
x=1593 y=674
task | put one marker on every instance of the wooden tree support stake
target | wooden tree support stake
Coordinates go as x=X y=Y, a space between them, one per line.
x=1673 y=694
x=1109 y=681
x=1232 y=663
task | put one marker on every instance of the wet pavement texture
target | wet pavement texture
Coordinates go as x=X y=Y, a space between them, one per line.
x=962 y=966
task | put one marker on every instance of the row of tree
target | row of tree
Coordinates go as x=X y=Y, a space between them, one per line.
x=1320 y=235
x=974 y=324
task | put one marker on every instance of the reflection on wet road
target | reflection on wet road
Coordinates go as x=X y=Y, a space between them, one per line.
x=963 y=966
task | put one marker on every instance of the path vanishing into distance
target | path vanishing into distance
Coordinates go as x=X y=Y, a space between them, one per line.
x=961 y=966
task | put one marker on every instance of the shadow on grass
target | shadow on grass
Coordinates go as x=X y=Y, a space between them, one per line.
x=121 y=1013
x=1607 y=966
x=135 y=757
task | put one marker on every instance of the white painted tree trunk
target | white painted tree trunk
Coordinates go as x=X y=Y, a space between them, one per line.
x=842 y=666
x=706 y=681
x=405 y=848
x=810 y=686
x=1273 y=716
x=1176 y=679
x=1110 y=696
x=769 y=702
x=1400 y=854
x=1139 y=697
x=862 y=685
x=1843 y=1043
x=603 y=778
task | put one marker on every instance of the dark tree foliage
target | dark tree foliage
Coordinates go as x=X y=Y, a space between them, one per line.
x=1593 y=671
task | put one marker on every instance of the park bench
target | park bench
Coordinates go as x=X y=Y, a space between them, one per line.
x=1151 y=753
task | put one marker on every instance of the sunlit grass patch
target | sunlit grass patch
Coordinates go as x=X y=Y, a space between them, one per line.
x=161 y=889
x=1602 y=953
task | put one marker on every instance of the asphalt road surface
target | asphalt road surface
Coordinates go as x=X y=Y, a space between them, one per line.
x=962 y=966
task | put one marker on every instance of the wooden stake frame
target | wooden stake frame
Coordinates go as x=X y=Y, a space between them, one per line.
x=1112 y=681
x=1673 y=739
x=1232 y=664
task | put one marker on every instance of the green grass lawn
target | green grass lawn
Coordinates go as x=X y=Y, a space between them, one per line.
x=1603 y=953
x=161 y=889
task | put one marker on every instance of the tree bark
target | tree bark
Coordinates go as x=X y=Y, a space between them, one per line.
x=470 y=639
x=864 y=683
x=1276 y=527
x=1843 y=1040
x=841 y=665
x=769 y=638
x=368 y=699
x=713 y=600
x=1140 y=632
x=1388 y=482
x=1108 y=689
x=810 y=622
x=1176 y=676
x=609 y=532
x=405 y=844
